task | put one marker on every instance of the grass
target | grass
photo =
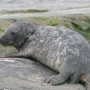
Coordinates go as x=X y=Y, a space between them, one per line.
x=84 y=34
x=52 y=21
x=81 y=26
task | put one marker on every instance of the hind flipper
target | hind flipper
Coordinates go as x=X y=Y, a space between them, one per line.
x=68 y=74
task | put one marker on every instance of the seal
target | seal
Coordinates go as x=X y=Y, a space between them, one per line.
x=61 y=49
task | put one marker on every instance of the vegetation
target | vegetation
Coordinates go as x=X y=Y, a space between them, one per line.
x=52 y=21
x=81 y=26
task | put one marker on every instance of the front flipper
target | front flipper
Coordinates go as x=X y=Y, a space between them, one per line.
x=66 y=75
x=58 y=79
x=48 y=79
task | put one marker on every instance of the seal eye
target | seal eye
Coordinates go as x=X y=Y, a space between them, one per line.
x=13 y=33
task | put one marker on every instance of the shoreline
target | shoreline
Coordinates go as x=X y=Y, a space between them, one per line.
x=44 y=13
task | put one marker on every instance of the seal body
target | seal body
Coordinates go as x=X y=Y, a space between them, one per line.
x=63 y=50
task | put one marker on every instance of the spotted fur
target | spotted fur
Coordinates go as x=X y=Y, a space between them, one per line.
x=63 y=50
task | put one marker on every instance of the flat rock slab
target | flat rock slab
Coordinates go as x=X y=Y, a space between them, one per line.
x=25 y=74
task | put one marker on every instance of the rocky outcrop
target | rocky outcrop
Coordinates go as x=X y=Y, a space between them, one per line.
x=25 y=74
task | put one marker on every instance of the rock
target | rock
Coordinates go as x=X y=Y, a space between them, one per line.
x=25 y=74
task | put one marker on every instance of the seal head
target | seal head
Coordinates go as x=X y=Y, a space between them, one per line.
x=16 y=34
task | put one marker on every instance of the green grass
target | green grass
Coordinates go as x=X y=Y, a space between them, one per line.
x=51 y=21
x=84 y=34
x=81 y=26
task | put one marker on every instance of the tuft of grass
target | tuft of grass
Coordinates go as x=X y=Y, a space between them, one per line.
x=52 y=21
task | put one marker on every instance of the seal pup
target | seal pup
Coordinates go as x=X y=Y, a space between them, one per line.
x=63 y=50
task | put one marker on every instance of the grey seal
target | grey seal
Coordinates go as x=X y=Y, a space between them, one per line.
x=61 y=49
